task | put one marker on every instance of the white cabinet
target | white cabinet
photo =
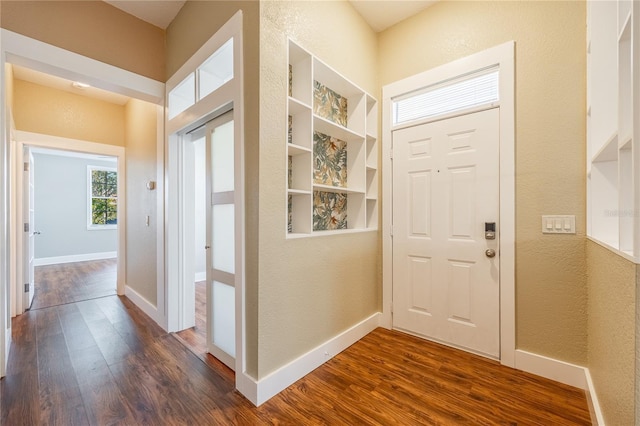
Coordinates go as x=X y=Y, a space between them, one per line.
x=613 y=125
x=332 y=150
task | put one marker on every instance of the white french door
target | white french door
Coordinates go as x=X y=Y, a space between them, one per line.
x=446 y=231
x=221 y=262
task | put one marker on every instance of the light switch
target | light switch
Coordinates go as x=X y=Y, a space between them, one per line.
x=558 y=224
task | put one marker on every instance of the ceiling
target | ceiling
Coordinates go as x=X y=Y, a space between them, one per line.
x=380 y=15
x=158 y=13
x=47 y=80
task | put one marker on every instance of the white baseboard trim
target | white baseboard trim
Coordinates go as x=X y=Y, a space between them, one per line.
x=560 y=371
x=269 y=386
x=142 y=303
x=563 y=372
x=74 y=258
x=200 y=276
x=597 y=418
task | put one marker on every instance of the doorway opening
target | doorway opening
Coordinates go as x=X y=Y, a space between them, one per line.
x=209 y=204
x=67 y=219
x=71 y=245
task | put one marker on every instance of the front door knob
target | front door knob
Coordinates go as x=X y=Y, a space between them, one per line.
x=490 y=253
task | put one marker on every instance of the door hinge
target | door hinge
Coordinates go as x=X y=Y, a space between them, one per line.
x=26 y=167
x=26 y=227
x=26 y=287
x=391 y=231
x=391 y=153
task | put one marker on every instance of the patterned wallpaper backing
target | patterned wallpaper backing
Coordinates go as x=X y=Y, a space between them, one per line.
x=329 y=161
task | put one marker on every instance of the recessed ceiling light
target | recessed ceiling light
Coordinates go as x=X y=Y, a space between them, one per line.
x=79 y=85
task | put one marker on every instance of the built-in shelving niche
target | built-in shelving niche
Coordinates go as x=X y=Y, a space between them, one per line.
x=613 y=162
x=332 y=150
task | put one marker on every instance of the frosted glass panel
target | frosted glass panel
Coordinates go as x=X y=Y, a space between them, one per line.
x=216 y=70
x=222 y=157
x=224 y=317
x=182 y=96
x=223 y=238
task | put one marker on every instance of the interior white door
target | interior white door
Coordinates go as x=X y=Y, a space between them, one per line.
x=221 y=262
x=29 y=229
x=445 y=272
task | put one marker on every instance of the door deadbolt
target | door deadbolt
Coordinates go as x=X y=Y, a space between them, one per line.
x=490 y=252
x=489 y=230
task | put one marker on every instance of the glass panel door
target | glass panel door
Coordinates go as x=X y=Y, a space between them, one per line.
x=221 y=330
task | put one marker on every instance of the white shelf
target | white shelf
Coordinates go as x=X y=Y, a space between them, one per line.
x=293 y=149
x=625 y=143
x=624 y=17
x=609 y=151
x=298 y=192
x=296 y=107
x=338 y=189
x=330 y=128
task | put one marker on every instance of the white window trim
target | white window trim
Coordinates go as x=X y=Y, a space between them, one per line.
x=503 y=56
x=91 y=226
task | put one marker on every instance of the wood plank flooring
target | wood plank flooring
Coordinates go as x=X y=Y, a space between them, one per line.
x=73 y=282
x=103 y=361
x=195 y=338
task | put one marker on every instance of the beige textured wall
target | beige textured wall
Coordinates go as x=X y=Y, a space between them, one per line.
x=91 y=28
x=141 y=167
x=55 y=112
x=612 y=313
x=311 y=289
x=194 y=25
x=550 y=144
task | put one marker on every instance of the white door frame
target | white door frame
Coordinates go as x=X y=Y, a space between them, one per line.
x=36 y=140
x=503 y=56
x=21 y=50
x=228 y=96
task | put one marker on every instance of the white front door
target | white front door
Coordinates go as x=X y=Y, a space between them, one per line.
x=445 y=189
x=221 y=262
x=29 y=229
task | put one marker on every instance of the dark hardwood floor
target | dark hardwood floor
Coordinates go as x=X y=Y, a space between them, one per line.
x=73 y=282
x=195 y=338
x=103 y=361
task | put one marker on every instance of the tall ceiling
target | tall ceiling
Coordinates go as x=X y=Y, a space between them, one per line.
x=158 y=13
x=379 y=14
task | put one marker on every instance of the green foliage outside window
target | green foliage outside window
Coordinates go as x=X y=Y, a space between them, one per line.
x=104 y=197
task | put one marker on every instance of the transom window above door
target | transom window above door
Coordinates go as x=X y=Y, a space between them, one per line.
x=472 y=90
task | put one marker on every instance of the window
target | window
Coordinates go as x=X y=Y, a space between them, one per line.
x=480 y=88
x=210 y=75
x=103 y=197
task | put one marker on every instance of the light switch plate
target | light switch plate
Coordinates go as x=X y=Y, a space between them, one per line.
x=558 y=224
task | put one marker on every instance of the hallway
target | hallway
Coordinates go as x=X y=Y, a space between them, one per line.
x=103 y=361
x=73 y=282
